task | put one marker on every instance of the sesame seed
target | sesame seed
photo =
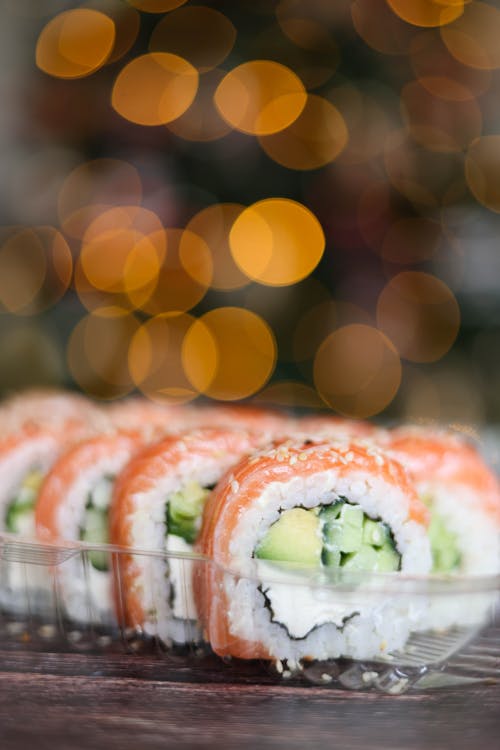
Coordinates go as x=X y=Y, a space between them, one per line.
x=326 y=677
x=302 y=456
x=235 y=485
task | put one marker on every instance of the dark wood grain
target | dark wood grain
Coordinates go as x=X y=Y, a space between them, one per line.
x=63 y=701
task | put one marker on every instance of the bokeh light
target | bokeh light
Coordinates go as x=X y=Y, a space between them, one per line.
x=277 y=241
x=94 y=186
x=123 y=249
x=260 y=97
x=35 y=268
x=314 y=139
x=426 y=178
x=154 y=89
x=202 y=36
x=473 y=38
x=428 y=12
x=420 y=315
x=97 y=352
x=367 y=114
x=202 y=121
x=482 y=169
x=290 y=202
x=283 y=308
x=183 y=277
x=156 y=6
x=75 y=43
x=319 y=321
x=441 y=73
x=308 y=34
x=315 y=54
x=440 y=124
x=127 y=22
x=213 y=224
x=304 y=46
x=357 y=371
x=155 y=358
x=290 y=394
x=380 y=27
x=229 y=353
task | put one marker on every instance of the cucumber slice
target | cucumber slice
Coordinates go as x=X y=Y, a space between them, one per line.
x=388 y=560
x=331 y=557
x=375 y=533
x=364 y=559
x=184 y=510
x=19 y=515
x=96 y=532
x=446 y=556
x=331 y=512
x=19 y=519
x=345 y=533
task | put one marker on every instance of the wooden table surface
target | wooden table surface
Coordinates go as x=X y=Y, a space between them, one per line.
x=79 y=701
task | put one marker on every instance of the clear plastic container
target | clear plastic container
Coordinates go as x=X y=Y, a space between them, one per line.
x=52 y=598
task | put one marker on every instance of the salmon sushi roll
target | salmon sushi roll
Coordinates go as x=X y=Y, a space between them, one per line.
x=34 y=435
x=36 y=428
x=25 y=457
x=462 y=494
x=157 y=505
x=73 y=504
x=284 y=522
x=463 y=497
x=60 y=411
x=28 y=449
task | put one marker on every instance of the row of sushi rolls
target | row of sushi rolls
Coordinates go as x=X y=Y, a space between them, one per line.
x=265 y=534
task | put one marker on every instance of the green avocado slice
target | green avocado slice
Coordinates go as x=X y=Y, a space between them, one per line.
x=294 y=537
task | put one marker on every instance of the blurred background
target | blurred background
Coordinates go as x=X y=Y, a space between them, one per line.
x=292 y=202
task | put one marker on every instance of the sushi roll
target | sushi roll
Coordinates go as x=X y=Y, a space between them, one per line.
x=463 y=497
x=25 y=457
x=59 y=411
x=72 y=505
x=157 y=505
x=36 y=428
x=34 y=434
x=286 y=521
x=462 y=494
